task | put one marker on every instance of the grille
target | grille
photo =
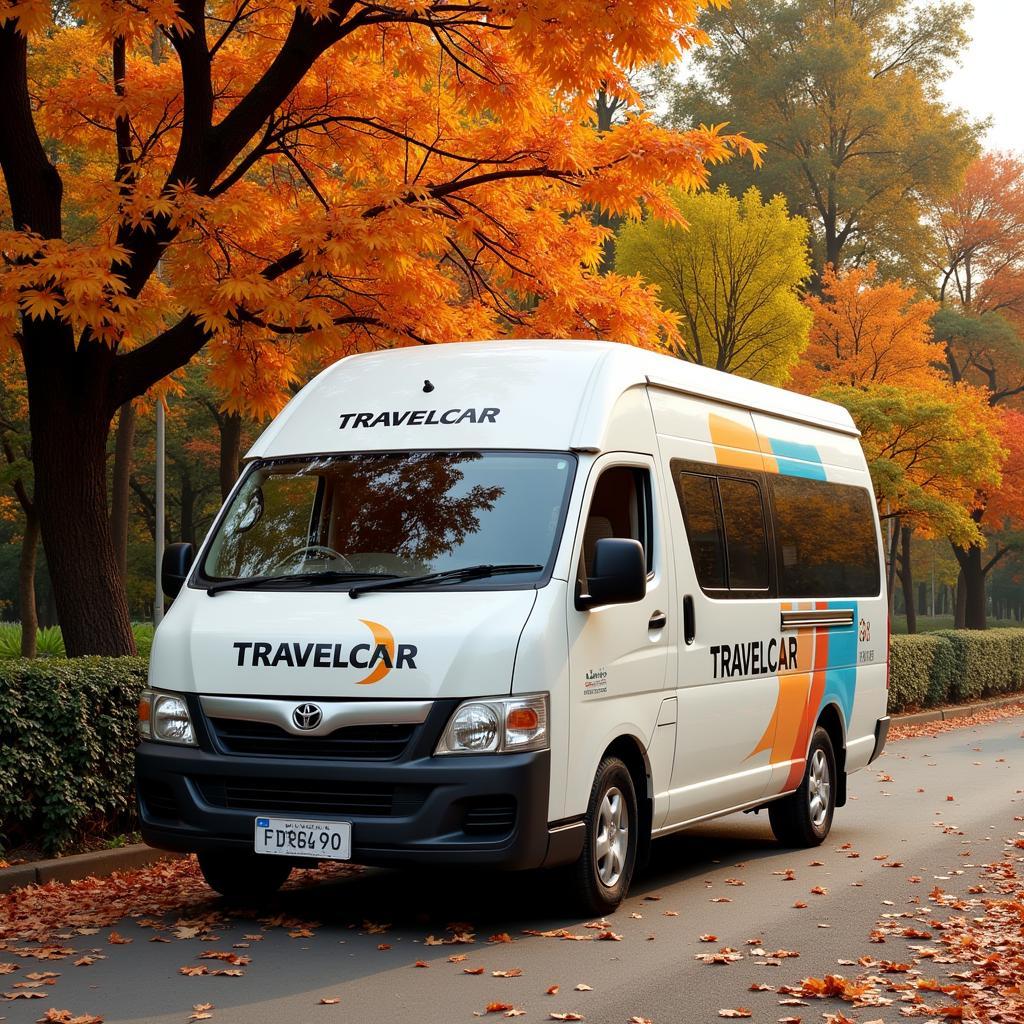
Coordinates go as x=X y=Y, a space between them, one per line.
x=311 y=796
x=492 y=815
x=159 y=800
x=351 y=743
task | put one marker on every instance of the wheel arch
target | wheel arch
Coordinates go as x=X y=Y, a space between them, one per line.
x=629 y=749
x=831 y=720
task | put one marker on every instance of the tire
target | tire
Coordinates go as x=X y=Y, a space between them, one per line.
x=244 y=877
x=602 y=875
x=804 y=818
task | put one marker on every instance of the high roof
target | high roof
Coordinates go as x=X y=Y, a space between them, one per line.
x=551 y=395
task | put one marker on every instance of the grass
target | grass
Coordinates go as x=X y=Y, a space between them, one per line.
x=50 y=642
x=930 y=623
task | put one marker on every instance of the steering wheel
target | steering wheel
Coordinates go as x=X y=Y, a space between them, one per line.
x=315 y=549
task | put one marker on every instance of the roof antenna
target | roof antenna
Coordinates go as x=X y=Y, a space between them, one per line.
x=427 y=386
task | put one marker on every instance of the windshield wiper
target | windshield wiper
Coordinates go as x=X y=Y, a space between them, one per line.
x=306 y=578
x=469 y=572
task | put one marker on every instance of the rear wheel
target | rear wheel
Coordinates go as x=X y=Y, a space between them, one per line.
x=244 y=877
x=605 y=868
x=805 y=817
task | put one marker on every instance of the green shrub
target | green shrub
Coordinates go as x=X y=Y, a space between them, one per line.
x=67 y=746
x=910 y=670
x=941 y=673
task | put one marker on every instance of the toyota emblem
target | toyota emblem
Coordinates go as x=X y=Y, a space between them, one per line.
x=307 y=717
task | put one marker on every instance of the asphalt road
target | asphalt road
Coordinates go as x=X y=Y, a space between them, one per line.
x=651 y=973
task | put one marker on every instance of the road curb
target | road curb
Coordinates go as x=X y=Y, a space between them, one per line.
x=81 y=865
x=956 y=711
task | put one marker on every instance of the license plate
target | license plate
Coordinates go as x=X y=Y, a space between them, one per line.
x=291 y=837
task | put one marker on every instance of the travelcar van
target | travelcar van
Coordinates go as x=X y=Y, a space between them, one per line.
x=523 y=604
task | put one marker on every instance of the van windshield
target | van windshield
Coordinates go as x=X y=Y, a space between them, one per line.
x=393 y=515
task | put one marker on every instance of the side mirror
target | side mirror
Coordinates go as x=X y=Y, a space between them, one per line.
x=618 y=574
x=174 y=568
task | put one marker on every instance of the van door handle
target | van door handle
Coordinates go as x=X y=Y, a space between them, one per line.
x=689 y=621
x=659 y=620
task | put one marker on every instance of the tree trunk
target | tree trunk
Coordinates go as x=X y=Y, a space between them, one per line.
x=972 y=588
x=890 y=576
x=960 y=609
x=27 y=585
x=120 y=489
x=230 y=451
x=70 y=421
x=907 y=579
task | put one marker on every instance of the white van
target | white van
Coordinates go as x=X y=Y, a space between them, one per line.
x=518 y=604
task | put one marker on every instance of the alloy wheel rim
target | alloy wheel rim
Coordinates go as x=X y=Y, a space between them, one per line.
x=819 y=788
x=612 y=839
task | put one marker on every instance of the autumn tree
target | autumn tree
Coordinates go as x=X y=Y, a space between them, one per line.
x=844 y=94
x=929 y=450
x=998 y=513
x=867 y=331
x=978 y=262
x=321 y=177
x=733 y=273
x=978 y=235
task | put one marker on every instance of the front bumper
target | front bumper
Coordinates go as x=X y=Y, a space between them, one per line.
x=488 y=810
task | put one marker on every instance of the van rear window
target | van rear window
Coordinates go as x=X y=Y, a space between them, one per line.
x=825 y=536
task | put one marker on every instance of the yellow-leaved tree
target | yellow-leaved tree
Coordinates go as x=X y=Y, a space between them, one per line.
x=732 y=269
x=310 y=179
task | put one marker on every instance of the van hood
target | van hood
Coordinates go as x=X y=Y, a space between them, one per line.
x=324 y=644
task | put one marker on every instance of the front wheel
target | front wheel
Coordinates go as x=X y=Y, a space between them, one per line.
x=605 y=868
x=244 y=877
x=804 y=818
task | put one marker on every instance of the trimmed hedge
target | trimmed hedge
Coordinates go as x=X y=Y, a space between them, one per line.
x=67 y=746
x=954 y=666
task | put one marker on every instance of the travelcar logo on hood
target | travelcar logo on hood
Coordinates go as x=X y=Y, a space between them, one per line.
x=379 y=657
x=417 y=417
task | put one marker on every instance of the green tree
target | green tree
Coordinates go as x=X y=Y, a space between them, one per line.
x=733 y=276
x=843 y=93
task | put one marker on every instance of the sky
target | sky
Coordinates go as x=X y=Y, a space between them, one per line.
x=991 y=81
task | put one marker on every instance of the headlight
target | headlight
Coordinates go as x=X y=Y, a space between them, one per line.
x=499 y=726
x=165 y=717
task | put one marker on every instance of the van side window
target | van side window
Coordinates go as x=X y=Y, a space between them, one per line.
x=725 y=526
x=746 y=542
x=826 y=539
x=619 y=507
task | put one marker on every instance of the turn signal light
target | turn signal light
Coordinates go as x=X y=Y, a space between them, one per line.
x=522 y=719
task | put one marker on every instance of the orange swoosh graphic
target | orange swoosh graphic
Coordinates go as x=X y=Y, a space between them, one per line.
x=383 y=637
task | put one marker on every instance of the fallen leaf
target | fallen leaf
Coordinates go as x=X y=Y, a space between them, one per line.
x=116 y=939
x=421 y=963
x=512 y=972
x=497 y=1007
x=709 y=938
x=329 y=1001
x=23 y=994
x=566 y=1016
x=609 y=936
x=472 y=970
x=583 y=988
x=741 y=1012
x=458 y=958
x=552 y=990
x=501 y=937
